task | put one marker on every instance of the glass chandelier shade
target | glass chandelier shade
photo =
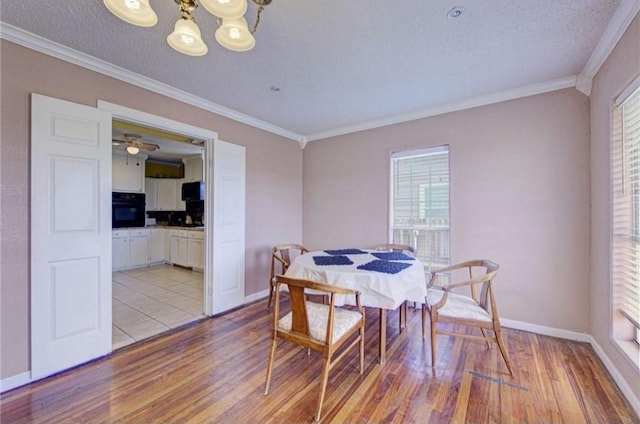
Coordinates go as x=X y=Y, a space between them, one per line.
x=135 y=12
x=186 y=38
x=225 y=9
x=234 y=34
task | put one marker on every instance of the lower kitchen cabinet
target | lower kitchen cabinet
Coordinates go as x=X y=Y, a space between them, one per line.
x=140 y=247
x=178 y=247
x=130 y=248
x=195 y=249
x=158 y=246
x=187 y=248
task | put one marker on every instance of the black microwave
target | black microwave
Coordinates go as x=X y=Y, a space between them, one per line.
x=193 y=191
x=127 y=210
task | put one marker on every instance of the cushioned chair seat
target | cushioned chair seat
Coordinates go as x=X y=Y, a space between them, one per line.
x=343 y=320
x=458 y=306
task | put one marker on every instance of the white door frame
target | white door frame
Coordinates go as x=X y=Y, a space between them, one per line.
x=143 y=118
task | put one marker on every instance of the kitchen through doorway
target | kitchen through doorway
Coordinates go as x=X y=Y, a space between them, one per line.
x=158 y=265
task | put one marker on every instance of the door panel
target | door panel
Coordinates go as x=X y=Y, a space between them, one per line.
x=229 y=226
x=70 y=234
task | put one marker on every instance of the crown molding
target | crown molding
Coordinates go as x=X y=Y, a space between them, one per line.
x=40 y=44
x=516 y=93
x=620 y=21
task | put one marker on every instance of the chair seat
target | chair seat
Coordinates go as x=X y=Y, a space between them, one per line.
x=458 y=306
x=343 y=320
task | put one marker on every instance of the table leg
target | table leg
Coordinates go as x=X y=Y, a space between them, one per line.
x=403 y=316
x=382 y=348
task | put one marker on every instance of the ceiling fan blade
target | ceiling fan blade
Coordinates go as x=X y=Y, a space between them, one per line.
x=149 y=146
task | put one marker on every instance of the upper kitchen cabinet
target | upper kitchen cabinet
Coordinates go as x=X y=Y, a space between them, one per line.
x=163 y=194
x=193 y=169
x=128 y=172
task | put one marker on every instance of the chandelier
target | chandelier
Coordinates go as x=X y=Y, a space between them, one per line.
x=233 y=31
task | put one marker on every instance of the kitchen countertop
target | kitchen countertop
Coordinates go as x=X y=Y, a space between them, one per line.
x=168 y=227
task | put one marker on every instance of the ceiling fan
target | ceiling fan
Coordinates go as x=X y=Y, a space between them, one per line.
x=134 y=144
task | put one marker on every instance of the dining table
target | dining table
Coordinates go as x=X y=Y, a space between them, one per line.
x=385 y=279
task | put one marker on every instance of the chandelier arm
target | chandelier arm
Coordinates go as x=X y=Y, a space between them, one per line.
x=257 y=22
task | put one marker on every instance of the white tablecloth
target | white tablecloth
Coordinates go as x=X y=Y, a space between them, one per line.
x=378 y=289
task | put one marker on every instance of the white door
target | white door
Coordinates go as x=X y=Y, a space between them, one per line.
x=70 y=234
x=228 y=226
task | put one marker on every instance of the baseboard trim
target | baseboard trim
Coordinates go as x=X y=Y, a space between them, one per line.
x=546 y=331
x=628 y=393
x=256 y=296
x=17 y=380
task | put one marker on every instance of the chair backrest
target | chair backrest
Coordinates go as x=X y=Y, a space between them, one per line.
x=300 y=324
x=396 y=248
x=487 y=272
x=281 y=254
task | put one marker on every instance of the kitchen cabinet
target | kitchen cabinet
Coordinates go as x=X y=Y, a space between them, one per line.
x=164 y=194
x=128 y=173
x=178 y=247
x=195 y=249
x=187 y=248
x=119 y=249
x=151 y=190
x=193 y=169
x=180 y=204
x=130 y=248
x=158 y=246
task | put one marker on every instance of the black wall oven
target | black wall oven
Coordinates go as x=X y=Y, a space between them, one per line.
x=127 y=210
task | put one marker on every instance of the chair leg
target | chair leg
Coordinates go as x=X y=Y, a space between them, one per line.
x=424 y=320
x=503 y=349
x=270 y=295
x=362 y=349
x=484 y=334
x=272 y=356
x=433 y=347
x=323 y=386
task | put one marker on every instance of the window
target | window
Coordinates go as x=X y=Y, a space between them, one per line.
x=420 y=203
x=625 y=195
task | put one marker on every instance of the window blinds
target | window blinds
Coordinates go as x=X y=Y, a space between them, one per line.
x=420 y=203
x=625 y=179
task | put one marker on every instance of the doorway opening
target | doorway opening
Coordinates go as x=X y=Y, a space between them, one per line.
x=163 y=283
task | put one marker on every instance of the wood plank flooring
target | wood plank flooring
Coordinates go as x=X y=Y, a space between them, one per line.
x=214 y=371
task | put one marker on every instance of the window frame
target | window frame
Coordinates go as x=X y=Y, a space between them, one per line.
x=408 y=153
x=624 y=333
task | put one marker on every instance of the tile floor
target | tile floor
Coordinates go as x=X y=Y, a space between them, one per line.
x=149 y=301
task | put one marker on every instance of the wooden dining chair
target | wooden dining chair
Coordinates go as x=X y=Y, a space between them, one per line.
x=477 y=310
x=405 y=248
x=281 y=256
x=324 y=328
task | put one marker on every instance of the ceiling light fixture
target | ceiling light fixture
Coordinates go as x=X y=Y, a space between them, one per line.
x=233 y=31
x=133 y=150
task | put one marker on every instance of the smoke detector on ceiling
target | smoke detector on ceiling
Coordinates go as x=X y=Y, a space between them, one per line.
x=456 y=12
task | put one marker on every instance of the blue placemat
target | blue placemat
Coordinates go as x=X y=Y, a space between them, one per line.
x=384 y=266
x=393 y=256
x=332 y=260
x=345 y=252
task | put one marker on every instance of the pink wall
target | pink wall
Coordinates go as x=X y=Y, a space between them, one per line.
x=274 y=178
x=620 y=68
x=519 y=196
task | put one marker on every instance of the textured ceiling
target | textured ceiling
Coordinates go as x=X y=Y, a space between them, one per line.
x=340 y=63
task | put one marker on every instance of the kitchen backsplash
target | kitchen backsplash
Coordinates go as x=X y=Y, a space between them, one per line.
x=195 y=210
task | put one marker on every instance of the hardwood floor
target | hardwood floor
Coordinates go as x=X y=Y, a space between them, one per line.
x=214 y=371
